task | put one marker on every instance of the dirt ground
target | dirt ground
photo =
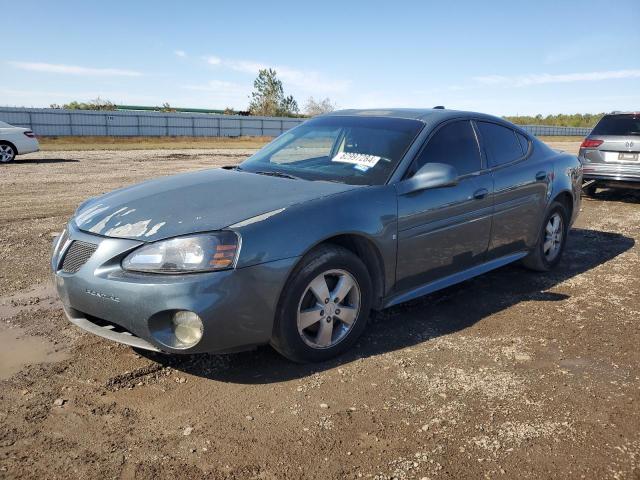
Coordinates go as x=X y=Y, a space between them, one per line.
x=510 y=375
x=50 y=144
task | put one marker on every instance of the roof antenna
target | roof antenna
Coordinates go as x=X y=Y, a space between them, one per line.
x=439 y=107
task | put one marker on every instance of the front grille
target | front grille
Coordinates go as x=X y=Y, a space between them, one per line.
x=77 y=255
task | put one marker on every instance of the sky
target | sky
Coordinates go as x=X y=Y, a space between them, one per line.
x=499 y=57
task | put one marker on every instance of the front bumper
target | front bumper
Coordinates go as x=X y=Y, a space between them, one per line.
x=107 y=330
x=237 y=306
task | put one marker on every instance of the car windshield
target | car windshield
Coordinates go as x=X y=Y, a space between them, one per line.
x=618 y=125
x=346 y=149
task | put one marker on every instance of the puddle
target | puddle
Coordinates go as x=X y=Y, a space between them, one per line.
x=17 y=350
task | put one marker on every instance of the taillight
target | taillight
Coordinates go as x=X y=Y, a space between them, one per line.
x=591 y=143
x=30 y=134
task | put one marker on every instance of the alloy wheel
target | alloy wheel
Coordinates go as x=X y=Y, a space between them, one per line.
x=553 y=233
x=328 y=309
x=6 y=153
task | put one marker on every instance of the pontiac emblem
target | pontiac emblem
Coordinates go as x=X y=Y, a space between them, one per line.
x=106 y=296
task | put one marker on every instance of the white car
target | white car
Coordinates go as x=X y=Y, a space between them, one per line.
x=16 y=141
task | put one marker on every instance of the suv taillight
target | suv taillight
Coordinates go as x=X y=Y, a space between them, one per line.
x=30 y=134
x=591 y=143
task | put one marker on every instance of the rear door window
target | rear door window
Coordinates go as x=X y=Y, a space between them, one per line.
x=618 y=125
x=500 y=143
x=524 y=143
x=454 y=144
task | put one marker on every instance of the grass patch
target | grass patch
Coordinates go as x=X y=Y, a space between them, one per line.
x=148 y=143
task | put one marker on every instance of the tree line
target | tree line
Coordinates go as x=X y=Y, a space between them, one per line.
x=560 y=120
x=268 y=99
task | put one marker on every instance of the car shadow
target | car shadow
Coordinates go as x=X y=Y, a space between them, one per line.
x=626 y=195
x=44 y=160
x=440 y=313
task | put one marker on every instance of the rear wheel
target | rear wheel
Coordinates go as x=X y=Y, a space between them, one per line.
x=324 y=307
x=7 y=153
x=551 y=240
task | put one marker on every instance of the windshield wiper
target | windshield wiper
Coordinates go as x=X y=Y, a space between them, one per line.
x=277 y=174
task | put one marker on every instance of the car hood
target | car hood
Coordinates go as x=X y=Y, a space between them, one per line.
x=194 y=202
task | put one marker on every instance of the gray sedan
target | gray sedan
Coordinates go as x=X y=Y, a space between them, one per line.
x=346 y=214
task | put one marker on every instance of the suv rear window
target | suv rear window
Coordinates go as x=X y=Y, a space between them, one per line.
x=618 y=125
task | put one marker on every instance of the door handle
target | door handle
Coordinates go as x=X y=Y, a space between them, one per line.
x=541 y=175
x=480 y=194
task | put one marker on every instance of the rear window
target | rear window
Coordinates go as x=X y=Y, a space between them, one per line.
x=501 y=144
x=618 y=125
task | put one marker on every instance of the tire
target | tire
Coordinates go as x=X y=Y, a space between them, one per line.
x=7 y=152
x=311 y=329
x=591 y=190
x=544 y=257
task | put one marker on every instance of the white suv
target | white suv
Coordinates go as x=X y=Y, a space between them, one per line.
x=16 y=141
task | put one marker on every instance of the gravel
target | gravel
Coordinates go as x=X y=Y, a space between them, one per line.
x=510 y=375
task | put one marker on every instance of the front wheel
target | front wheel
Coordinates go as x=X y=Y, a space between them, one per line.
x=551 y=240
x=7 y=153
x=324 y=307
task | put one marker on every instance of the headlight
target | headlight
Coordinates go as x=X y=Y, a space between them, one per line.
x=195 y=253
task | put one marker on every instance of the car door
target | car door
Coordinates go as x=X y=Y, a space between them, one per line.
x=445 y=230
x=521 y=181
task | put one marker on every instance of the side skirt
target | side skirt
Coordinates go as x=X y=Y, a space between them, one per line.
x=453 y=279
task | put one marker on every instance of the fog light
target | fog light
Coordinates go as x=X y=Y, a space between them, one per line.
x=187 y=328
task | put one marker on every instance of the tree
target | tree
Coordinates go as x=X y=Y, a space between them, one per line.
x=314 y=108
x=288 y=107
x=268 y=97
x=95 y=104
x=167 y=108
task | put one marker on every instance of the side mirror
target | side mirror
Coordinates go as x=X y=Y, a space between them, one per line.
x=431 y=175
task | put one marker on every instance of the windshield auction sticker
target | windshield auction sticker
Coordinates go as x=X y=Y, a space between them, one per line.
x=361 y=159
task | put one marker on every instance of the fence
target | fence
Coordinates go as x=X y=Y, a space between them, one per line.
x=54 y=122
x=550 y=130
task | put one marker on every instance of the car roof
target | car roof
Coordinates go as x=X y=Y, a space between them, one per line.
x=426 y=115
x=611 y=114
